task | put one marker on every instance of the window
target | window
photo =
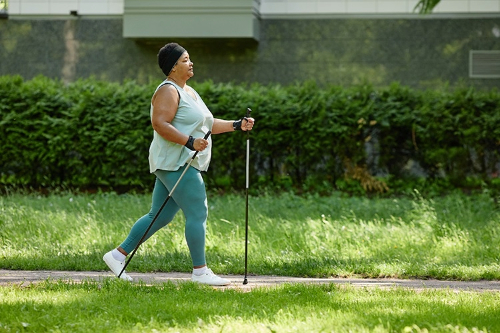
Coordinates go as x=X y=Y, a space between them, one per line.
x=484 y=64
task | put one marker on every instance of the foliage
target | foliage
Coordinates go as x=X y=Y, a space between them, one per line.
x=426 y=6
x=308 y=139
x=86 y=133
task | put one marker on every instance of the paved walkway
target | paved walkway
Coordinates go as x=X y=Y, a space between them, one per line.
x=26 y=277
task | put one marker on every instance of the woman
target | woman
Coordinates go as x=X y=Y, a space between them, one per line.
x=180 y=120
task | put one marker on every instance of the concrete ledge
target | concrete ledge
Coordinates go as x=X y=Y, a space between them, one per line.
x=24 y=278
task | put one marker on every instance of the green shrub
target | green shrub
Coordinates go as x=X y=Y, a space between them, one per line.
x=357 y=139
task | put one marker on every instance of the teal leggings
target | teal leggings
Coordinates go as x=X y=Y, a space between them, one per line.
x=189 y=196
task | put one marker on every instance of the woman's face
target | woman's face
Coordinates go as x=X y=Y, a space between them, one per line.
x=184 y=66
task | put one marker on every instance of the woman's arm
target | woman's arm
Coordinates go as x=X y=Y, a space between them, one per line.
x=223 y=126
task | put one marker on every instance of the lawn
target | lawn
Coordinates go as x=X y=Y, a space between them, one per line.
x=117 y=306
x=452 y=237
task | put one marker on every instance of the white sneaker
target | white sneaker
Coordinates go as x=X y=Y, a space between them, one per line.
x=116 y=266
x=210 y=278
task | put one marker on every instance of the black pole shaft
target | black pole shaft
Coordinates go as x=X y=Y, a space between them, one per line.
x=161 y=208
x=147 y=230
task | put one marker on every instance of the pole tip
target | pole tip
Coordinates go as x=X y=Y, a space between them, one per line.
x=245 y=281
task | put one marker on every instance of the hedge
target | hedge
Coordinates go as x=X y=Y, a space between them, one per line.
x=97 y=134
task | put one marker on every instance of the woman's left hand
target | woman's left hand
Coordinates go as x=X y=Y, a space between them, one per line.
x=247 y=124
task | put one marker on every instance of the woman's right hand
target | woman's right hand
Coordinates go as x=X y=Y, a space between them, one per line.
x=200 y=144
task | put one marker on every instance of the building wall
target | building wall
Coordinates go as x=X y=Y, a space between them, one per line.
x=373 y=6
x=267 y=7
x=417 y=52
x=420 y=51
x=64 y=7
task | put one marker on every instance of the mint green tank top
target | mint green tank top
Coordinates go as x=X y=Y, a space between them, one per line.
x=192 y=118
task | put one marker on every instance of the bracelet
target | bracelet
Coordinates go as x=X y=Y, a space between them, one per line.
x=237 y=124
x=190 y=143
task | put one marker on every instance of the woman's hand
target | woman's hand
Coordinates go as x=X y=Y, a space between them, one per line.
x=223 y=126
x=247 y=124
x=200 y=144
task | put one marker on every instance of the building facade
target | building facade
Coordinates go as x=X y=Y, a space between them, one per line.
x=340 y=42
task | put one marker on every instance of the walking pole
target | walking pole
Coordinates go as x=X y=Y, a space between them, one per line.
x=161 y=208
x=245 y=281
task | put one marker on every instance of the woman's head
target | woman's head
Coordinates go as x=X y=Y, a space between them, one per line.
x=168 y=56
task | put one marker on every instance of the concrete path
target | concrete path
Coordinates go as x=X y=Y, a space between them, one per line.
x=23 y=278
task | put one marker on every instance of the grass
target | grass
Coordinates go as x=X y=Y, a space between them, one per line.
x=453 y=237
x=113 y=305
